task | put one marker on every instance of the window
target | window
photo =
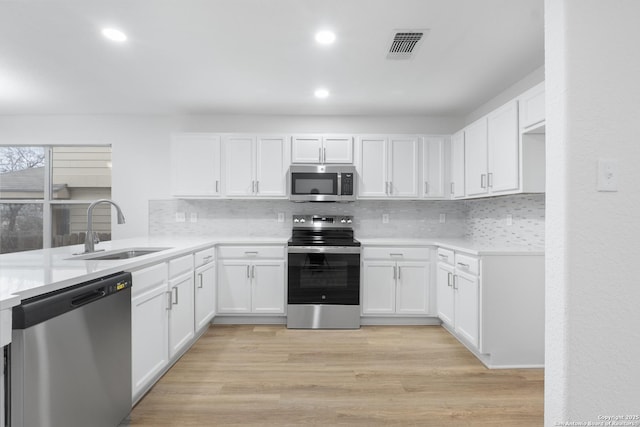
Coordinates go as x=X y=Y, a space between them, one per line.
x=45 y=193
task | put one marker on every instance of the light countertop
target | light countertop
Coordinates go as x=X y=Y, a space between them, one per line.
x=457 y=244
x=31 y=273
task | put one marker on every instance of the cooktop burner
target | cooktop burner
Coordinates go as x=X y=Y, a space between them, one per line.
x=322 y=230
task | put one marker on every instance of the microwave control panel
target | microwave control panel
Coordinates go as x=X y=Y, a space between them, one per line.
x=346 y=184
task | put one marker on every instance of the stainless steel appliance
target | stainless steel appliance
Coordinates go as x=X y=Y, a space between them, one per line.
x=71 y=356
x=324 y=273
x=322 y=183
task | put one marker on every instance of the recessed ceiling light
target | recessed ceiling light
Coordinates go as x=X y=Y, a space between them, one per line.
x=114 y=34
x=321 y=93
x=325 y=37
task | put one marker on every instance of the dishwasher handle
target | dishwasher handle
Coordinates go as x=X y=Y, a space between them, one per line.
x=39 y=309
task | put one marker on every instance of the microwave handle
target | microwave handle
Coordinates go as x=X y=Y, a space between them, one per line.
x=339 y=184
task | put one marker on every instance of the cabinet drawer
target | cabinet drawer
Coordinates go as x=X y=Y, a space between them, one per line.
x=180 y=266
x=395 y=253
x=446 y=256
x=148 y=278
x=204 y=257
x=467 y=264
x=251 y=252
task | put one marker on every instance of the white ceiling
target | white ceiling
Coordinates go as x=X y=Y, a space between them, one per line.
x=260 y=56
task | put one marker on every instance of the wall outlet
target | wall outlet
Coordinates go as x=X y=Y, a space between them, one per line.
x=385 y=218
x=280 y=216
x=193 y=217
x=509 y=219
x=443 y=218
x=181 y=217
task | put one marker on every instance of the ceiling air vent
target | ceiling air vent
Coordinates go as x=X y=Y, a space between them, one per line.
x=405 y=43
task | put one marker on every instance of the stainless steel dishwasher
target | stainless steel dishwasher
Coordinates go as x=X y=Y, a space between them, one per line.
x=71 y=356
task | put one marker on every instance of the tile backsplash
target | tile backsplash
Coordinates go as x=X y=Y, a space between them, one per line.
x=479 y=220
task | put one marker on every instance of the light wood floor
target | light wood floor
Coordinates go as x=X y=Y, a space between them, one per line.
x=375 y=376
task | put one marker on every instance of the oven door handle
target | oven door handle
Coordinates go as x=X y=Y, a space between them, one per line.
x=324 y=249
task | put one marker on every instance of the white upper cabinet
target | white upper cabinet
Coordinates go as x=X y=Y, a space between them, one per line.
x=388 y=167
x=433 y=167
x=475 y=156
x=329 y=149
x=502 y=131
x=457 y=165
x=492 y=153
x=195 y=165
x=255 y=166
x=532 y=109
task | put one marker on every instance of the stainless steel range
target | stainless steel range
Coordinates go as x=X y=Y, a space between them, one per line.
x=324 y=273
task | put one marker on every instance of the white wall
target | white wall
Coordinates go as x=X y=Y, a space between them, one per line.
x=592 y=290
x=140 y=144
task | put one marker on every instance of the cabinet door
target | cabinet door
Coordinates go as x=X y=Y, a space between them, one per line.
x=433 y=167
x=239 y=166
x=181 y=315
x=467 y=310
x=234 y=287
x=271 y=166
x=205 y=295
x=457 y=166
x=475 y=156
x=532 y=108
x=412 y=288
x=306 y=149
x=502 y=133
x=268 y=287
x=338 y=149
x=149 y=336
x=373 y=167
x=195 y=165
x=403 y=167
x=445 y=294
x=379 y=287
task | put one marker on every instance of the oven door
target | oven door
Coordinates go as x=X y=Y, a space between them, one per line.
x=324 y=275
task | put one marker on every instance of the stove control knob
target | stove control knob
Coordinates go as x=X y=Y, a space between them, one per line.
x=349 y=221
x=296 y=220
x=302 y=220
x=344 y=221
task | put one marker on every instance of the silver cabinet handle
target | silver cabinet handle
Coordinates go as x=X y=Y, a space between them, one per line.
x=455 y=282
x=426 y=187
x=463 y=265
x=394 y=273
x=201 y=285
x=217 y=186
x=386 y=187
x=251 y=253
x=390 y=187
x=483 y=184
x=324 y=155
x=319 y=155
x=443 y=256
x=452 y=188
x=253 y=186
x=257 y=186
x=449 y=279
x=392 y=254
x=169 y=299
x=253 y=271
x=207 y=258
x=490 y=179
x=248 y=272
x=399 y=270
x=175 y=288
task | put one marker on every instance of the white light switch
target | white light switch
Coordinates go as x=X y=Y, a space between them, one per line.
x=509 y=219
x=443 y=218
x=181 y=217
x=607 y=175
x=385 y=218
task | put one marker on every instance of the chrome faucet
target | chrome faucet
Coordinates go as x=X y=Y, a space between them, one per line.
x=91 y=239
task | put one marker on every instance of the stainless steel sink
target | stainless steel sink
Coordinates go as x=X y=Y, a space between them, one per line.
x=118 y=254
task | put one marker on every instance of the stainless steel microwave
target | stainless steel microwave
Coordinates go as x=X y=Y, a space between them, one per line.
x=322 y=183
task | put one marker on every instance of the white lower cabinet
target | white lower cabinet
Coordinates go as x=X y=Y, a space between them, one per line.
x=251 y=280
x=205 y=291
x=149 y=326
x=395 y=281
x=494 y=304
x=181 y=314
